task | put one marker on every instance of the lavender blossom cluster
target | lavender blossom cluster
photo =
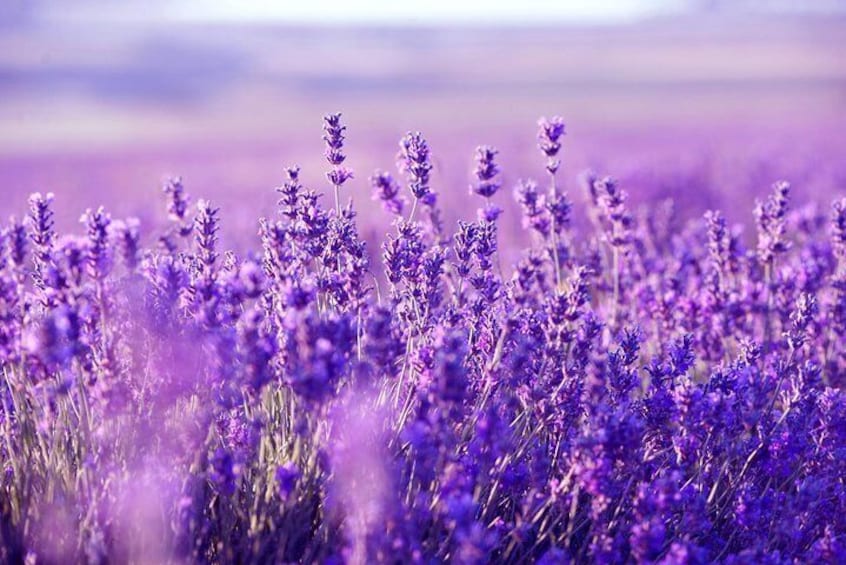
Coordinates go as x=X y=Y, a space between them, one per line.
x=641 y=390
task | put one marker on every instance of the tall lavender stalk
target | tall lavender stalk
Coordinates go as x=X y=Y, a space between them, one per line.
x=618 y=234
x=414 y=160
x=550 y=132
x=41 y=233
x=771 y=221
x=334 y=138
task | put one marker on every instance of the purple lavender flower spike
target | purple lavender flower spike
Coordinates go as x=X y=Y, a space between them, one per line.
x=486 y=172
x=550 y=132
x=128 y=236
x=41 y=233
x=98 y=224
x=414 y=161
x=386 y=190
x=838 y=229
x=334 y=138
x=770 y=217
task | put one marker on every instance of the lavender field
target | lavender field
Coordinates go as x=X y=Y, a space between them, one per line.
x=445 y=325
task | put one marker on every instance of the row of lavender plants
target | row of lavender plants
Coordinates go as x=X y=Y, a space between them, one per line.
x=640 y=390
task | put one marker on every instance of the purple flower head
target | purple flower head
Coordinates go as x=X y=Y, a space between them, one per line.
x=549 y=135
x=128 y=238
x=223 y=472
x=290 y=193
x=58 y=338
x=681 y=355
x=802 y=316
x=384 y=346
x=486 y=172
x=386 y=189
x=249 y=280
x=535 y=211
x=463 y=243
x=587 y=180
x=450 y=374
x=489 y=213
x=613 y=204
x=403 y=254
x=178 y=201
x=206 y=226
x=334 y=138
x=485 y=244
x=257 y=350
x=648 y=539
x=630 y=344
x=415 y=161
x=719 y=243
x=71 y=258
x=99 y=251
x=526 y=194
x=317 y=355
x=838 y=230
x=298 y=295
x=287 y=476
x=559 y=208
x=14 y=248
x=771 y=219
x=555 y=556
x=576 y=293
x=42 y=233
x=41 y=218
x=339 y=175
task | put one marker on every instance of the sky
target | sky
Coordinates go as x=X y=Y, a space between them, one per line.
x=427 y=12
x=389 y=11
x=422 y=11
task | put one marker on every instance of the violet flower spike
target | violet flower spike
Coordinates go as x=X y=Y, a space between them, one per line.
x=334 y=138
x=550 y=132
x=486 y=172
x=414 y=160
x=386 y=190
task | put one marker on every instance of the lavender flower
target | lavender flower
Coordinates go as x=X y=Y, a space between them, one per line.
x=291 y=192
x=99 y=251
x=771 y=216
x=128 y=236
x=486 y=172
x=550 y=132
x=613 y=203
x=415 y=162
x=177 y=205
x=41 y=233
x=535 y=210
x=334 y=138
x=386 y=190
x=838 y=230
x=15 y=247
x=286 y=477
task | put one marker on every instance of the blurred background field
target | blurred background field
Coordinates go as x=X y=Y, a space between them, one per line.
x=700 y=101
